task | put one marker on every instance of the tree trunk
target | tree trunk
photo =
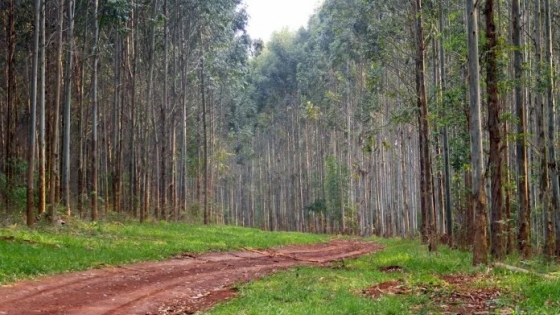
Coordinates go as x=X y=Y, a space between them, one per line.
x=444 y=131
x=552 y=211
x=494 y=128
x=54 y=150
x=94 y=114
x=42 y=187
x=11 y=113
x=480 y=246
x=33 y=116
x=425 y=164
x=205 y=135
x=67 y=106
x=524 y=206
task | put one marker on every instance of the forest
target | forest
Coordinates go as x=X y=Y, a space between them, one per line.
x=391 y=118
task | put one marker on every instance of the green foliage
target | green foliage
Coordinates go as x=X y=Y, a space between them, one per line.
x=336 y=187
x=317 y=206
x=26 y=253
x=16 y=191
x=115 y=12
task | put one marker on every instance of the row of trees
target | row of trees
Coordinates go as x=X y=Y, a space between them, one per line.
x=111 y=105
x=392 y=118
x=381 y=117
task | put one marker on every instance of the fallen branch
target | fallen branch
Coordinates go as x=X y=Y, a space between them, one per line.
x=276 y=254
x=521 y=270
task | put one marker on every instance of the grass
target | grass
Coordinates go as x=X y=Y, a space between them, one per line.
x=27 y=253
x=314 y=290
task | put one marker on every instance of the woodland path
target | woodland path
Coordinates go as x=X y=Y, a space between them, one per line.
x=183 y=285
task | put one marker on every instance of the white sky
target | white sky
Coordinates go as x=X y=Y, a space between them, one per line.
x=267 y=16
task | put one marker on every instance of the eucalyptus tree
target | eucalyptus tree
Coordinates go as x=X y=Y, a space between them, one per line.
x=10 y=108
x=55 y=129
x=428 y=211
x=70 y=6
x=33 y=115
x=551 y=213
x=42 y=156
x=494 y=128
x=524 y=206
x=480 y=245
x=445 y=130
x=94 y=114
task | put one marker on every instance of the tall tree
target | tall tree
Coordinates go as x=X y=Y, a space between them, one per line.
x=480 y=246
x=33 y=115
x=94 y=114
x=70 y=5
x=11 y=108
x=445 y=133
x=42 y=187
x=205 y=137
x=524 y=206
x=551 y=212
x=494 y=128
x=55 y=130
x=425 y=158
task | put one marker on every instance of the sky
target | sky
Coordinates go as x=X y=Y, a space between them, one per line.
x=267 y=16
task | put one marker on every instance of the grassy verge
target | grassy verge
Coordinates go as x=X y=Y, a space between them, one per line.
x=26 y=253
x=339 y=290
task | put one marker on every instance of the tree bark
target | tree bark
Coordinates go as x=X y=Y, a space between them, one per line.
x=425 y=164
x=11 y=112
x=524 y=205
x=445 y=133
x=54 y=150
x=551 y=212
x=33 y=116
x=480 y=246
x=494 y=129
x=42 y=187
x=67 y=106
x=94 y=114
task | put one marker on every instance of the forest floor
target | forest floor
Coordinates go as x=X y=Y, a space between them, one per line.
x=183 y=285
x=457 y=294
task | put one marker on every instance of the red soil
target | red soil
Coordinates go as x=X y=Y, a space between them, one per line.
x=183 y=285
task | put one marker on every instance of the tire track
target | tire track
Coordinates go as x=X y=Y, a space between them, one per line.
x=185 y=282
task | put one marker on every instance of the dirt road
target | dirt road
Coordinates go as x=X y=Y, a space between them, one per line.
x=182 y=285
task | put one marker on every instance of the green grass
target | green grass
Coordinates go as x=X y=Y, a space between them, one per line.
x=26 y=253
x=315 y=290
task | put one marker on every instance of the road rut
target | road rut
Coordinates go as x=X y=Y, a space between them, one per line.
x=183 y=285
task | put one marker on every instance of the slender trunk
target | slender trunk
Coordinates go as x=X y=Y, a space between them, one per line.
x=524 y=206
x=205 y=135
x=11 y=113
x=494 y=129
x=42 y=187
x=67 y=106
x=54 y=150
x=149 y=104
x=425 y=164
x=33 y=116
x=544 y=184
x=552 y=211
x=163 y=127
x=480 y=246
x=94 y=145
x=446 y=163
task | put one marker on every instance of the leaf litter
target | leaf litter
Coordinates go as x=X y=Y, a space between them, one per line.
x=460 y=294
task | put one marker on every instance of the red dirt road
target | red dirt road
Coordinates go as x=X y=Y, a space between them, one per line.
x=182 y=285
